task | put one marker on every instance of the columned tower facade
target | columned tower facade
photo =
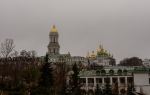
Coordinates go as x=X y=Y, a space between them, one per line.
x=53 y=47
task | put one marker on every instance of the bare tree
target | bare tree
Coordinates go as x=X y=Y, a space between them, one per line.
x=60 y=76
x=133 y=61
x=31 y=53
x=24 y=53
x=14 y=54
x=7 y=47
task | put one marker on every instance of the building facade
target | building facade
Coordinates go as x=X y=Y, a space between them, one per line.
x=54 y=51
x=118 y=77
x=146 y=62
x=101 y=57
x=100 y=68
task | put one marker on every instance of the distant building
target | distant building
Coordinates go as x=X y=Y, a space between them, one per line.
x=120 y=77
x=54 y=48
x=101 y=58
x=99 y=67
x=146 y=62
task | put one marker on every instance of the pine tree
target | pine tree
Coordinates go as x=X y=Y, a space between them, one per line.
x=115 y=90
x=64 y=89
x=46 y=76
x=98 y=90
x=46 y=79
x=75 y=80
x=130 y=89
x=107 y=90
x=75 y=75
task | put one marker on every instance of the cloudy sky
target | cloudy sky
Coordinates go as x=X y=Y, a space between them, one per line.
x=122 y=26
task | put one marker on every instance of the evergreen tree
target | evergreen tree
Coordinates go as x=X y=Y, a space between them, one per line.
x=46 y=80
x=64 y=89
x=46 y=76
x=115 y=90
x=130 y=90
x=107 y=90
x=75 y=80
x=75 y=75
x=98 y=90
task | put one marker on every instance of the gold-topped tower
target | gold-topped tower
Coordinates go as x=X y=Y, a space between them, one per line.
x=54 y=29
x=100 y=52
x=53 y=47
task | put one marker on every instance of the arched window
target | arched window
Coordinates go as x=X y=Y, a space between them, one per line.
x=54 y=50
x=119 y=72
x=103 y=72
x=111 y=72
x=98 y=72
x=125 y=72
x=54 y=40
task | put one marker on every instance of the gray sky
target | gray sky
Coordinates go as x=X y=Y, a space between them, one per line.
x=122 y=26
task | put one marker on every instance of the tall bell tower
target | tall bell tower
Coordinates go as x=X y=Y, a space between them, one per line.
x=53 y=46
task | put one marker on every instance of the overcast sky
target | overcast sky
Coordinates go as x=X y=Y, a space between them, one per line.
x=122 y=26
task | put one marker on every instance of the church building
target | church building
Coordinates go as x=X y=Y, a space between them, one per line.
x=54 y=50
x=106 y=69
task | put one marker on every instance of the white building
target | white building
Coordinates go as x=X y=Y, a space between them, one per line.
x=146 y=62
x=120 y=77
x=101 y=57
x=142 y=81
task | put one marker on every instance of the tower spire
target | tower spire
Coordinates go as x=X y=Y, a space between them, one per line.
x=53 y=46
x=54 y=29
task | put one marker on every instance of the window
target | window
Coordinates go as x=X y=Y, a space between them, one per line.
x=130 y=79
x=98 y=72
x=111 y=72
x=115 y=80
x=103 y=72
x=54 y=50
x=125 y=72
x=82 y=80
x=122 y=80
x=119 y=72
x=107 y=80
x=54 y=40
x=98 y=80
x=90 y=80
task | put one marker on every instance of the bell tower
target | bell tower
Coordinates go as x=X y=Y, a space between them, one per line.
x=53 y=46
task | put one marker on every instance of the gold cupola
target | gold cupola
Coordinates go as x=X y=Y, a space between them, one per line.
x=93 y=55
x=54 y=29
x=99 y=48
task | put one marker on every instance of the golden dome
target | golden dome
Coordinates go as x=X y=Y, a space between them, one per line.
x=99 y=48
x=53 y=29
x=93 y=54
x=100 y=52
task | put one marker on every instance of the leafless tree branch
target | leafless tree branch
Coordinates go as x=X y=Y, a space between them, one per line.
x=7 y=47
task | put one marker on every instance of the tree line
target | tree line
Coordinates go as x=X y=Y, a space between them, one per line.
x=25 y=74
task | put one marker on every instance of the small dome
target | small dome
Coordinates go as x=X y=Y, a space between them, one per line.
x=53 y=29
x=93 y=55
